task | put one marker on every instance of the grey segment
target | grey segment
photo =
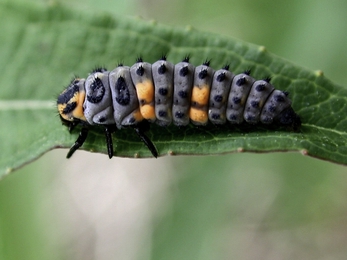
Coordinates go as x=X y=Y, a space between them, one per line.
x=257 y=97
x=124 y=97
x=219 y=96
x=98 y=102
x=163 y=76
x=275 y=104
x=240 y=88
x=183 y=84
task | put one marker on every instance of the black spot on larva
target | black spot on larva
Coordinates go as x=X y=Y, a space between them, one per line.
x=218 y=98
x=140 y=71
x=163 y=57
x=271 y=108
x=215 y=116
x=162 y=69
x=163 y=91
x=142 y=102
x=75 y=81
x=120 y=64
x=139 y=59
x=179 y=114
x=220 y=77
x=279 y=98
x=102 y=119
x=183 y=71
x=162 y=113
x=236 y=100
x=260 y=87
x=132 y=120
x=202 y=74
x=254 y=104
x=65 y=97
x=69 y=107
x=286 y=93
x=240 y=82
x=232 y=117
x=97 y=91
x=183 y=94
x=250 y=118
x=122 y=92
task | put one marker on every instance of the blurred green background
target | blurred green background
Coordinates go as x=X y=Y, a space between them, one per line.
x=236 y=206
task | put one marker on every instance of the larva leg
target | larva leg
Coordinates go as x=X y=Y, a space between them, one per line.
x=140 y=132
x=79 y=142
x=109 y=143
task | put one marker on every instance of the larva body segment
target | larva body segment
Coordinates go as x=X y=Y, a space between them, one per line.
x=183 y=86
x=163 y=76
x=220 y=89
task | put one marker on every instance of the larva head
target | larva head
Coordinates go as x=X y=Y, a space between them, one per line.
x=70 y=102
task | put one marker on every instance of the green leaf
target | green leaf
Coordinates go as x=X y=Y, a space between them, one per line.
x=43 y=47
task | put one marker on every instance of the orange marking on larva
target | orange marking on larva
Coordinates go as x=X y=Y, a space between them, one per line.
x=137 y=115
x=148 y=112
x=198 y=116
x=61 y=107
x=145 y=91
x=78 y=111
x=201 y=94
